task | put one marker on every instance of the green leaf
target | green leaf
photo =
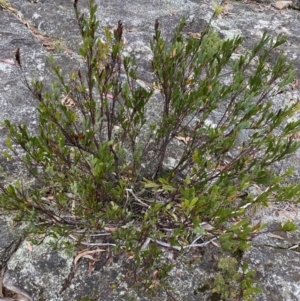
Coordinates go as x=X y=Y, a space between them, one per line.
x=8 y=143
x=289 y=226
x=150 y=184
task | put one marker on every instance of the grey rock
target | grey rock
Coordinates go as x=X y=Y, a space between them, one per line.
x=40 y=274
x=277 y=272
x=40 y=269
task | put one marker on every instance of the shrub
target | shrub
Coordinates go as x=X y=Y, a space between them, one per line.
x=100 y=161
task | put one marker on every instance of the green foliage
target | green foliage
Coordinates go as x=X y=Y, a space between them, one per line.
x=218 y=9
x=89 y=298
x=100 y=163
x=3 y=3
x=230 y=284
x=289 y=226
x=225 y=283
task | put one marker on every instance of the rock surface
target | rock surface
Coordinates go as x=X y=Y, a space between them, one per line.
x=39 y=26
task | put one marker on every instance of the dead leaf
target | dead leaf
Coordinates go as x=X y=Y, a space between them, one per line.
x=275 y=236
x=196 y=35
x=8 y=61
x=91 y=267
x=286 y=214
x=110 y=229
x=295 y=84
x=155 y=273
x=133 y=29
x=215 y=244
x=68 y=101
x=282 y=4
x=85 y=254
x=77 y=137
x=221 y=167
x=68 y=51
x=110 y=96
x=296 y=136
x=73 y=209
x=206 y=226
x=155 y=283
x=256 y=186
x=256 y=227
x=185 y=140
x=88 y=257
x=29 y=246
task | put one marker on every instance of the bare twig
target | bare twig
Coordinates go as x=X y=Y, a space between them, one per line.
x=167 y=245
x=92 y=244
x=197 y=238
x=136 y=198
x=146 y=243
x=98 y=244
x=95 y=235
